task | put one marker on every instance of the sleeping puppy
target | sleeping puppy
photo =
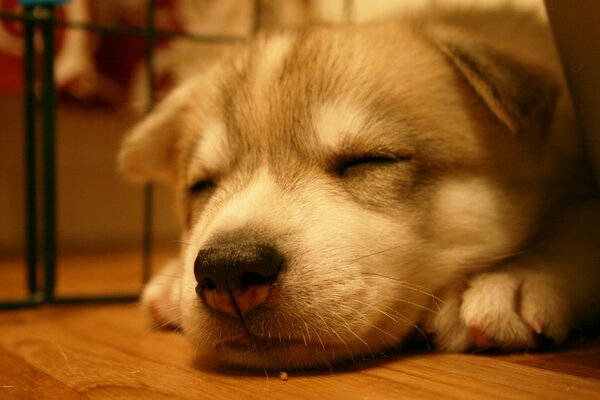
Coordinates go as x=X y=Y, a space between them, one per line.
x=345 y=185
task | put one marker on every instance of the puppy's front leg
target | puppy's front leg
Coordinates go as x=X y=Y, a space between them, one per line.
x=160 y=298
x=541 y=294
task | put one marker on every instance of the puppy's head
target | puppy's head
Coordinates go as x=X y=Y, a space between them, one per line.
x=331 y=181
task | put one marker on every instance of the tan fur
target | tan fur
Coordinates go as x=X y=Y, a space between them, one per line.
x=426 y=202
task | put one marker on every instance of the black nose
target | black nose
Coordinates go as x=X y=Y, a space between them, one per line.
x=235 y=266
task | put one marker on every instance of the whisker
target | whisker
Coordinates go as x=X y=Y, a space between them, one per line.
x=354 y=333
x=404 y=284
x=396 y=313
x=307 y=332
x=380 y=252
x=503 y=257
x=320 y=340
x=376 y=309
x=367 y=322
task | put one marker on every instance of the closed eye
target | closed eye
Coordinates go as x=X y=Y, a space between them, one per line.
x=349 y=164
x=202 y=186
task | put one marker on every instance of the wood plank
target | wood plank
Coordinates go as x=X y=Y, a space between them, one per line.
x=469 y=376
x=109 y=352
x=584 y=362
x=21 y=381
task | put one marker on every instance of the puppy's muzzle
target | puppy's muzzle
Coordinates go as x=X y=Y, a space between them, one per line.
x=236 y=277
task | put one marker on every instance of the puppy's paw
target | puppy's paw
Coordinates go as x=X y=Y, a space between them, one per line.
x=450 y=332
x=515 y=311
x=509 y=310
x=160 y=297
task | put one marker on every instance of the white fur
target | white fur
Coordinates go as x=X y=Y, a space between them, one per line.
x=461 y=204
x=337 y=121
x=256 y=202
x=211 y=151
x=275 y=49
x=161 y=297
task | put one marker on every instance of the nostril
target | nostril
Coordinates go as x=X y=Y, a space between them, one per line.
x=207 y=283
x=252 y=278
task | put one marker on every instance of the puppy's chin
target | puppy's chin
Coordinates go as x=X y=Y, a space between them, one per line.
x=243 y=352
x=263 y=354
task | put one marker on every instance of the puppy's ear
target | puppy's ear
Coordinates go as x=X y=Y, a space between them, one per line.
x=519 y=95
x=148 y=152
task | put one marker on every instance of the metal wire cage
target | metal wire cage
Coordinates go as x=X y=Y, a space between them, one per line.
x=39 y=127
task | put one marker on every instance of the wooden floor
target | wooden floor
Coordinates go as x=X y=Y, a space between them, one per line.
x=109 y=352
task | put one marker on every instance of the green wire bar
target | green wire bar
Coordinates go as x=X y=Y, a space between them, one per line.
x=29 y=124
x=148 y=194
x=37 y=294
x=48 y=152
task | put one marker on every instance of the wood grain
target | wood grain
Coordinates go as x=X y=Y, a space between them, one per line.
x=110 y=352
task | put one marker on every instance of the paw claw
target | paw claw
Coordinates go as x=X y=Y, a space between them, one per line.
x=536 y=326
x=480 y=340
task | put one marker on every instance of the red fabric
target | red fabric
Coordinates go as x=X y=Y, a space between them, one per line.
x=11 y=76
x=116 y=56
